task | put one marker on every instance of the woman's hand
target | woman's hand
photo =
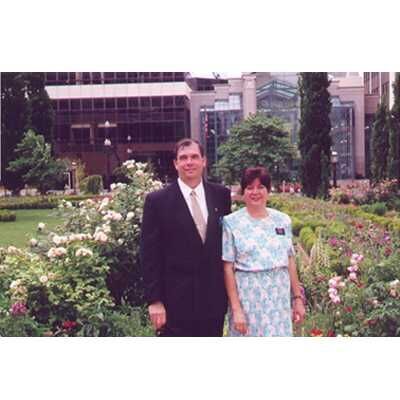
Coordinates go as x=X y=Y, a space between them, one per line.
x=239 y=321
x=299 y=311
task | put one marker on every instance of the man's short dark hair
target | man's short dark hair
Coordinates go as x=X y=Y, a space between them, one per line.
x=187 y=142
x=252 y=173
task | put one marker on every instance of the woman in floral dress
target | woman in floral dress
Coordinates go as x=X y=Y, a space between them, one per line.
x=259 y=266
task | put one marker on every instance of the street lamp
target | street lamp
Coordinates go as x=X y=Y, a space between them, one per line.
x=334 y=161
x=107 y=146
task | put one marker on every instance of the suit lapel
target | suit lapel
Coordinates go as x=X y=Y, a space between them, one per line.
x=212 y=222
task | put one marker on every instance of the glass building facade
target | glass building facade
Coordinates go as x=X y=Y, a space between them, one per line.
x=342 y=133
x=281 y=99
x=145 y=128
x=216 y=123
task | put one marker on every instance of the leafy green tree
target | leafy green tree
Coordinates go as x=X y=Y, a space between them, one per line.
x=256 y=141
x=380 y=143
x=315 y=126
x=394 y=151
x=35 y=163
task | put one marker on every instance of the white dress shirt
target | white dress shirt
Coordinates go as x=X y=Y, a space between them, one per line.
x=200 y=195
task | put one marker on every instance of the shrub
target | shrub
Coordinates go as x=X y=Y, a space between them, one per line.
x=27 y=203
x=378 y=208
x=307 y=238
x=92 y=184
x=7 y=216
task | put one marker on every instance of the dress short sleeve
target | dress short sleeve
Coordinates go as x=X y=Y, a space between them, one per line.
x=228 y=243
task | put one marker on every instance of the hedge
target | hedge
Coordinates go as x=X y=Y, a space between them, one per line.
x=7 y=216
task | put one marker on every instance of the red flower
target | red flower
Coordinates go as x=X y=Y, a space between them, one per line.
x=372 y=322
x=316 y=332
x=69 y=325
x=348 y=309
x=331 y=333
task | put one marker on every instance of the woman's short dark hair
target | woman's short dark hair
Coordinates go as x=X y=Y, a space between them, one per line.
x=252 y=173
x=185 y=142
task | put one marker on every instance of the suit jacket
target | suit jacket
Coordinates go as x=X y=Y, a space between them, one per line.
x=178 y=269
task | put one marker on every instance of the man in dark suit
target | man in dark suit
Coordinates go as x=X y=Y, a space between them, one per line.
x=181 y=246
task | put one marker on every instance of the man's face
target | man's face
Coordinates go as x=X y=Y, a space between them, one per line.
x=190 y=164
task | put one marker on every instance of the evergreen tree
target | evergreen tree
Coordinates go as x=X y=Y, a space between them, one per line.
x=394 y=151
x=380 y=143
x=256 y=141
x=315 y=126
x=35 y=163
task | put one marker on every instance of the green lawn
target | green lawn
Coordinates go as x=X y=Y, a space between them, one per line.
x=18 y=233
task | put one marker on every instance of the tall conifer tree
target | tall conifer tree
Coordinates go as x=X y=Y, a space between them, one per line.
x=380 y=143
x=394 y=152
x=315 y=126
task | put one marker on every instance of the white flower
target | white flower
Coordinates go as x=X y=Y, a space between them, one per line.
x=12 y=250
x=120 y=241
x=139 y=172
x=113 y=186
x=83 y=252
x=129 y=164
x=15 y=284
x=43 y=279
x=394 y=283
x=56 y=252
x=101 y=237
x=33 y=242
x=56 y=240
x=104 y=203
x=41 y=226
x=130 y=215
x=112 y=215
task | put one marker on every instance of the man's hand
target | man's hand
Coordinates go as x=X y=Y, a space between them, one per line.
x=158 y=315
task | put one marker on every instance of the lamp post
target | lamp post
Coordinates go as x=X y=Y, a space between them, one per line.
x=107 y=146
x=73 y=176
x=129 y=149
x=334 y=161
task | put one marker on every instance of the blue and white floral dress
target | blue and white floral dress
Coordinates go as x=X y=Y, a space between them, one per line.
x=259 y=249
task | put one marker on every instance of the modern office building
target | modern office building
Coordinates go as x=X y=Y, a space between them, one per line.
x=277 y=94
x=378 y=87
x=105 y=118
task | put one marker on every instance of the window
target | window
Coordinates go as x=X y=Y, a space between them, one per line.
x=62 y=77
x=87 y=104
x=51 y=76
x=110 y=104
x=122 y=103
x=109 y=77
x=133 y=102
x=121 y=77
x=86 y=78
x=75 y=104
x=96 y=77
x=156 y=102
x=145 y=102
x=168 y=101
x=63 y=105
x=98 y=104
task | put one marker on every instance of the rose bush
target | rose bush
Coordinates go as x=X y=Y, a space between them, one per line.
x=84 y=278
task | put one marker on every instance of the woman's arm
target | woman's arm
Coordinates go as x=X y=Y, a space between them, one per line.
x=239 y=319
x=298 y=305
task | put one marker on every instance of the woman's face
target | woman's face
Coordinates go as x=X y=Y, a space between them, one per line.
x=255 y=194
